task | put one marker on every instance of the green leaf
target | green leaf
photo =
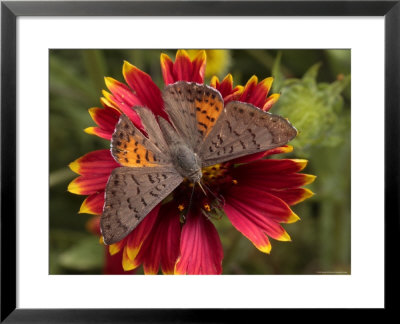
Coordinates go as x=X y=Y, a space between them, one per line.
x=316 y=110
x=277 y=74
x=87 y=255
x=96 y=67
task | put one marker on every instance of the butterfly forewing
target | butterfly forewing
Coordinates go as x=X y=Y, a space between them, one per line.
x=193 y=109
x=244 y=129
x=131 y=148
x=131 y=193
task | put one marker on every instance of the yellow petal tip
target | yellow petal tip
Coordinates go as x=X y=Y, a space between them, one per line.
x=310 y=178
x=109 y=81
x=90 y=130
x=114 y=249
x=301 y=163
x=127 y=67
x=74 y=188
x=284 y=237
x=182 y=52
x=292 y=218
x=214 y=80
x=127 y=265
x=85 y=209
x=74 y=166
x=274 y=97
x=265 y=248
x=267 y=82
x=287 y=149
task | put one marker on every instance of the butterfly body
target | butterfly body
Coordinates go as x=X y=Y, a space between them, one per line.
x=201 y=132
x=182 y=155
x=186 y=162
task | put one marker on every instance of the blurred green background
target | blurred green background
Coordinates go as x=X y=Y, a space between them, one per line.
x=315 y=97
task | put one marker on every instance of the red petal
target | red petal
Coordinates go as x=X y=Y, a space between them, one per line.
x=113 y=264
x=199 y=67
x=248 y=229
x=270 y=101
x=136 y=238
x=280 y=150
x=108 y=100
x=214 y=82
x=93 y=204
x=161 y=247
x=248 y=89
x=99 y=132
x=257 y=156
x=87 y=185
x=183 y=66
x=105 y=118
x=275 y=181
x=258 y=220
x=201 y=249
x=269 y=207
x=167 y=67
x=121 y=93
x=271 y=166
x=97 y=162
x=256 y=214
x=124 y=100
x=258 y=96
x=146 y=90
x=291 y=196
x=226 y=86
x=249 y=158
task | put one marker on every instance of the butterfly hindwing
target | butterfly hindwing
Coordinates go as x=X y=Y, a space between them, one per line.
x=131 y=148
x=152 y=128
x=244 y=129
x=193 y=109
x=131 y=193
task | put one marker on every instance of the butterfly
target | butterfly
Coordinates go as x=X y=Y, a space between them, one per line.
x=201 y=132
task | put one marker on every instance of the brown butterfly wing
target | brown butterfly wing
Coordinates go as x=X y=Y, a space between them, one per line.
x=193 y=109
x=146 y=178
x=152 y=129
x=244 y=129
x=131 y=193
x=130 y=147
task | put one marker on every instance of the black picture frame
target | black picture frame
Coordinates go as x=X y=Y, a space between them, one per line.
x=11 y=10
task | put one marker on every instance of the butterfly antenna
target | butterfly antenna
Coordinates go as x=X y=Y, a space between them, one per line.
x=201 y=187
x=220 y=201
x=190 y=202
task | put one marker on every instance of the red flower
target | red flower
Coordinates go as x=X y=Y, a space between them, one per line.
x=257 y=195
x=183 y=69
x=253 y=92
x=259 y=199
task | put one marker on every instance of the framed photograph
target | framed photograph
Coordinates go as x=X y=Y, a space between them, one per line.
x=154 y=152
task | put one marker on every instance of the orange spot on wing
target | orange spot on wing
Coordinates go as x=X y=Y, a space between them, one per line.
x=130 y=146
x=208 y=109
x=131 y=153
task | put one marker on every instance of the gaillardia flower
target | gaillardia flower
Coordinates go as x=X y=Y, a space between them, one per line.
x=178 y=235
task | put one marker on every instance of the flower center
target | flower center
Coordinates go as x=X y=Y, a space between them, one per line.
x=215 y=174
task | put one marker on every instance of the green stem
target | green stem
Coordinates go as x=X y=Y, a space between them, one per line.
x=95 y=67
x=268 y=61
